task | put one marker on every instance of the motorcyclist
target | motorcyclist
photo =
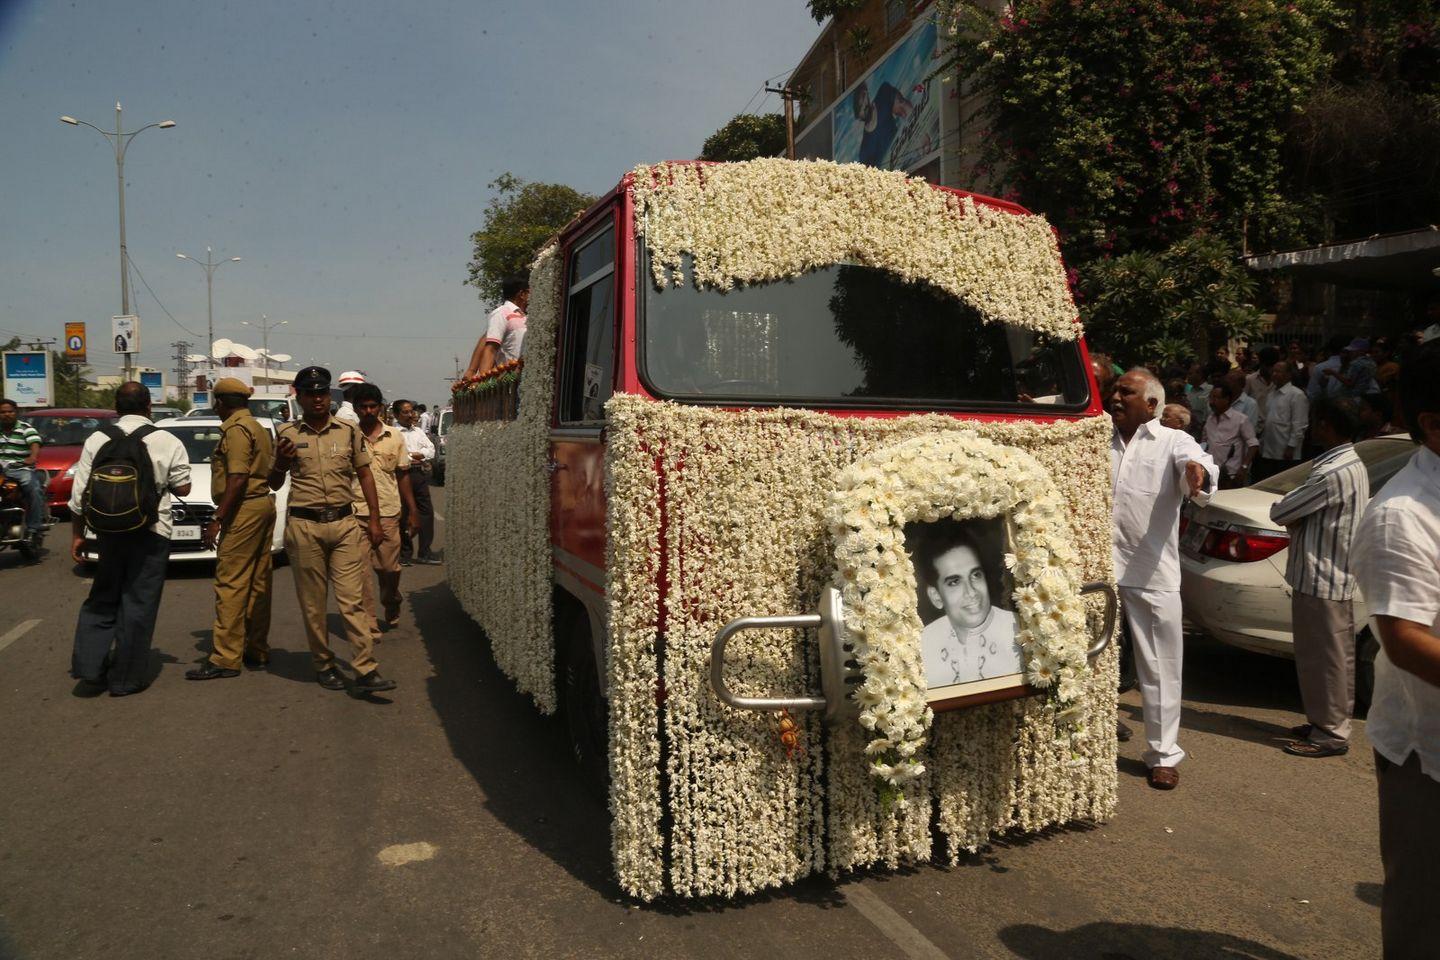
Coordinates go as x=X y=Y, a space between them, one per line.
x=19 y=450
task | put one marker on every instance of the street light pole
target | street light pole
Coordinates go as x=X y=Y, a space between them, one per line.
x=209 y=265
x=265 y=327
x=120 y=142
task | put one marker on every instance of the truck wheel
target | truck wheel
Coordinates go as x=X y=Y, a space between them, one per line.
x=586 y=712
x=1366 y=647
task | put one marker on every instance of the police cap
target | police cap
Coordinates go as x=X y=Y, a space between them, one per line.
x=313 y=378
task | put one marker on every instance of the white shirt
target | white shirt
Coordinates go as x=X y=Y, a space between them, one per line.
x=346 y=412
x=1229 y=436
x=1148 y=478
x=506 y=327
x=170 y=462
x=1246 y=404
x=426 y=421
x=1396 y=554
x=1287 y=417
x=989 y=650
x=417 y=442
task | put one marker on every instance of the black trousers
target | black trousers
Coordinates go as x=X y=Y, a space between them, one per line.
x=420 y=487
x=120 y=612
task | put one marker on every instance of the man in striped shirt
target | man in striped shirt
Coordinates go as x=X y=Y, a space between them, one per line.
x=19 y=449
x=1322 y=515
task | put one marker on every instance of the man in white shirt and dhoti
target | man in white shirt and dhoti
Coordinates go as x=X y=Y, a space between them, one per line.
x=1153 y=469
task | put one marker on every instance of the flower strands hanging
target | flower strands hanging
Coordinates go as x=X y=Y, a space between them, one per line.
x=745 y=223
x=962 y=476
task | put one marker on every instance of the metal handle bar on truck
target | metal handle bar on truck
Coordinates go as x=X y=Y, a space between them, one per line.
x=838 y=668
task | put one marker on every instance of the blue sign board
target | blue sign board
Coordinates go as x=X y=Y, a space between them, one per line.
x=28 y=378
x=152 y=379
x=201 y=398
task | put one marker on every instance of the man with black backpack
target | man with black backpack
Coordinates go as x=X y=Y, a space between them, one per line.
x=123 y=482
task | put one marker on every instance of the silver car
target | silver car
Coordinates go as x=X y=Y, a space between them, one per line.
x=1232 y=561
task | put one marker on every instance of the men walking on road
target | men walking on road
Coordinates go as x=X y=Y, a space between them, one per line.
x=240 y=534
x=390 y=468
x=135 y=468
x=1287 y=417
x=1322 y=515
x=1229 y=436
x=1395 y=559
x=422 y=457
x=19 y=450
x=1152 y=470
x=325 y=458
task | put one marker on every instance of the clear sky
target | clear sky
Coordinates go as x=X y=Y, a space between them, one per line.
x=341 y=149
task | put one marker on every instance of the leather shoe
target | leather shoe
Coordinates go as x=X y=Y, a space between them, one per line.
x=1164 y=778
x=207 y=670
x=131 y=690
x=256 y=661
x=330 y=679
x=1122 y=732
x=88 y=688
x=372 y=682
x=429 y=560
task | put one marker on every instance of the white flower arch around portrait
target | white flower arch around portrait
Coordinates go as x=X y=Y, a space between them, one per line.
x=960 y=475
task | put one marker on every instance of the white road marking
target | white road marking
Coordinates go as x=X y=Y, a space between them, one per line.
x=914 y=943
x=402 y=853
x=17 y=632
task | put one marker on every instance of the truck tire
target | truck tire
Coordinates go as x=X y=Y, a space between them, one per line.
x=586 y=712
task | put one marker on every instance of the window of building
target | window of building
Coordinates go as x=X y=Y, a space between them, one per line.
x=588 y=341
x=895 y=11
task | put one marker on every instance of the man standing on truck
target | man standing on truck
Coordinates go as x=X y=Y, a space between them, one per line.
x=1153 y=469
x=240 y=533
x=325 y=458
x=504 y=338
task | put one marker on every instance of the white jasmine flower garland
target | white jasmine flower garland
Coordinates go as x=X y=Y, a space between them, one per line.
x=761 y=220
x=954 y=474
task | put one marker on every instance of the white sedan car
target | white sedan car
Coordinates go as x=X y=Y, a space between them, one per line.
x=190 y=513
x=1232 y=561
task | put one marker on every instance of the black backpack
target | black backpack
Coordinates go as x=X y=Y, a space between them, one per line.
x=121 y=496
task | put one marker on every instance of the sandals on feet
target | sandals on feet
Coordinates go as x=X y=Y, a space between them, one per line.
x=1304 y=748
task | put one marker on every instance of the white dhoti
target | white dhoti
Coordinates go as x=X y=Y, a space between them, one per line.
x=1153 y=617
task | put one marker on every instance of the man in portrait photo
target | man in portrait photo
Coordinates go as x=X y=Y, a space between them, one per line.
x=960 y=570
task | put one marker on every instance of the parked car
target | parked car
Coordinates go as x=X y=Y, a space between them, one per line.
x=279 y=407
x=1232 y=561
x=190 y=513
x=63 y=431
x=442 y=428
x=164 y=413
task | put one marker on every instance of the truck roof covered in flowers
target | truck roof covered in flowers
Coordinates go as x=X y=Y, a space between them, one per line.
x=765 y=220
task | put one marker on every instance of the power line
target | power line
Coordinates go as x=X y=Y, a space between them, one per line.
x=146 y=284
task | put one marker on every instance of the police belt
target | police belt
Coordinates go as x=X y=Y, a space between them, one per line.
x=322 y=514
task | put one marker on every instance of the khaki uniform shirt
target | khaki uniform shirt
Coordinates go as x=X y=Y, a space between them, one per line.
x=324 y=471
x=244 y=449
x=388 y=454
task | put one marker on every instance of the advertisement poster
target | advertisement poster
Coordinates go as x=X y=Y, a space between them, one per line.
x=75 y=342
x=125 y=331
x=891 y=117
x=152 y=380
x=28 y=378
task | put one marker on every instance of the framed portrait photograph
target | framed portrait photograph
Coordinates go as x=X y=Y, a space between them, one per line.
x=963 y=595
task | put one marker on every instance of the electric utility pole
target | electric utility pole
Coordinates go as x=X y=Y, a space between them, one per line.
x=789 y=97
x=182 y=367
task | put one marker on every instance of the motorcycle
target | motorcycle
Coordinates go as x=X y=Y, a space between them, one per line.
x=12 y=520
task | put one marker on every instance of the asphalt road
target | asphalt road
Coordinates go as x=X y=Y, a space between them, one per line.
x=266 y=817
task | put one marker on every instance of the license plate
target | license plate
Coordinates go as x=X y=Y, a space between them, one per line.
x=1194 y=537
x=185 y=533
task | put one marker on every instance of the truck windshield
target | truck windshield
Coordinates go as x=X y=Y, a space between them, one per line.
x=847 y=335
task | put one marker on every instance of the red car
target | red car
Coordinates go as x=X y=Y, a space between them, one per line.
x=64 y=431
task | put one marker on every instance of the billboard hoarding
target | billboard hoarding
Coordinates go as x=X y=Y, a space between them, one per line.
x=152 y=379
x=75 y=342
x=29 y=378
x=890 y=118
x=125 y=331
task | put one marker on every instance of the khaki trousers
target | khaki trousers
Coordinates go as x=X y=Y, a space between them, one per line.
x=325 y=554
x=1324 y=633
x=385 y=561
x=243 y=571
x=1410 y=851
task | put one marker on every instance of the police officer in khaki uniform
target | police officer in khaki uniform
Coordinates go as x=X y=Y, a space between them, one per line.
x=243 y=525
x=390 y=466
x=326 y=546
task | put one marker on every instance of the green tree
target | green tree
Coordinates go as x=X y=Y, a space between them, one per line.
x=70 y=382
x=746 y=137
x=1163 y=306
x=820 y=9
x=519 y=218
x=1133 y=123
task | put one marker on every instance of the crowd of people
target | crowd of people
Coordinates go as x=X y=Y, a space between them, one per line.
x=358 y=510
x=1182 y=433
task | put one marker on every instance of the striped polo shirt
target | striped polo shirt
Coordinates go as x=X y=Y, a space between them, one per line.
x=1322 y=515
x=15 y=445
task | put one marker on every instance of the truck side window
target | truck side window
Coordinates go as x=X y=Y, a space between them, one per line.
x=588 y=368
